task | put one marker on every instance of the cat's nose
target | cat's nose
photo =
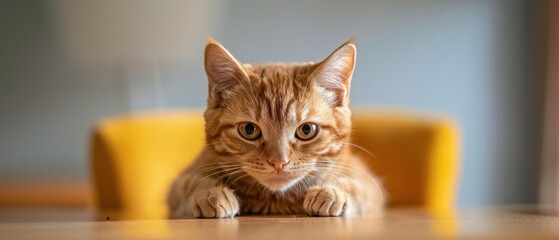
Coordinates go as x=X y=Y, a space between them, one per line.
x=278 y=163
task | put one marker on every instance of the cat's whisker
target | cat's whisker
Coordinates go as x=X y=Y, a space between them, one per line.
x=360 y=148
x=236 y=179
x=346 y=168
x=253 y=181
x=213 y=171
x=208 y=170
x=214 y=166
x=334 y=176
x=229 y=174
x=340 y=164
x=213 y=174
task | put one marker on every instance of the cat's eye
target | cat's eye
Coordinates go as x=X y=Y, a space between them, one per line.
x=306 y=131
x=249 y=131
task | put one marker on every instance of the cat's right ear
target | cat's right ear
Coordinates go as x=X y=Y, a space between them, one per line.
x=223 y=70
x=333 y=74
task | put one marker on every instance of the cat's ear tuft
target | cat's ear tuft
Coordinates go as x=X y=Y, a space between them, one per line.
x=334 y=74
x=223 y=70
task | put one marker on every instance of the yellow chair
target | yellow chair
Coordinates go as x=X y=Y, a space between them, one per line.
x=136 y=157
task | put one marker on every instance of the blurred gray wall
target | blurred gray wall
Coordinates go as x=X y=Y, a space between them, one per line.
x=472 y=60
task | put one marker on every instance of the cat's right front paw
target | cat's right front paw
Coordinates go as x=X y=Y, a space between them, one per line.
x=217 y=202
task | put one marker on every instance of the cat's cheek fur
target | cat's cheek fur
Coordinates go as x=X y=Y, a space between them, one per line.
x=327 y=201
x=216 y=202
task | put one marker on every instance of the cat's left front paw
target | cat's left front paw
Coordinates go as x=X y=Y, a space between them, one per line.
x=327 y=202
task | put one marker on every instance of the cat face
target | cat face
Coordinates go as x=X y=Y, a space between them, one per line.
x=278 y=123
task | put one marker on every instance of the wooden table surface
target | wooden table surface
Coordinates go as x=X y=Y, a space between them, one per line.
x=520 y=222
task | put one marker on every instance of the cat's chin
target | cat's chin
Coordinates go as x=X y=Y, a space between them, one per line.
x=279 y=183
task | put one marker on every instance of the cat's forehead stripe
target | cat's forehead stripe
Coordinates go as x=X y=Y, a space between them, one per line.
x=279 y=88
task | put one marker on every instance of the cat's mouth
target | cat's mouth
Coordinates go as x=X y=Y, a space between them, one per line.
x=279 y=181
x=279 y=178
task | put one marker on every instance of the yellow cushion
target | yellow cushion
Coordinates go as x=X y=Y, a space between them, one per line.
x=416 y=157
x=135 y=158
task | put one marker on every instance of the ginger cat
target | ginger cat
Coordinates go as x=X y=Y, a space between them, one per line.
x=277 y=142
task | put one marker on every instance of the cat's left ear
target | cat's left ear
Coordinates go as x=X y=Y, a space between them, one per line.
x=222 y=69
x=334 y=73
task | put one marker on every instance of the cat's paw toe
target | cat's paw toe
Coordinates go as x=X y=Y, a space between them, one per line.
x=218 y=202
x=327 y=202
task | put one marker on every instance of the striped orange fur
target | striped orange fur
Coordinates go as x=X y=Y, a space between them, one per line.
x=293 y=154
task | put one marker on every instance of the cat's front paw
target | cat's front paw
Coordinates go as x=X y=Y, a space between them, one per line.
x=327 y=202
x=217 y=202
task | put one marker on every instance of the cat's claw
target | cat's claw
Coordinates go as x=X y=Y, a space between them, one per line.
x=217 y=202
x=327 y=202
